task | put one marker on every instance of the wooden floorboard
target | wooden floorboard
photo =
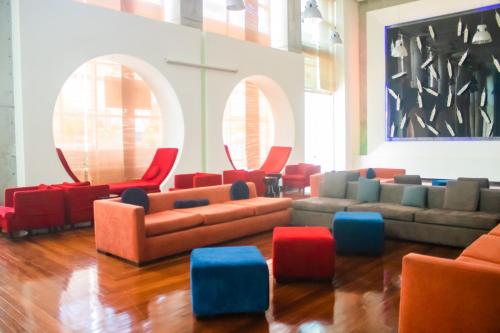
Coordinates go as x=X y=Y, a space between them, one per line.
x=59 y=283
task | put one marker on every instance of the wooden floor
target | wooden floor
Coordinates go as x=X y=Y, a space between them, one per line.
x=54 y=283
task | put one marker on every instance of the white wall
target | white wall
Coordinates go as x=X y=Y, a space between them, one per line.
x=447 y=159
x=52 y=38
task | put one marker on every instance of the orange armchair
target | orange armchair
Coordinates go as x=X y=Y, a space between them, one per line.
x=199 y=179
x=298 y=175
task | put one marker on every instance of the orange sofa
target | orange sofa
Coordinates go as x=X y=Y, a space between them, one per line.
x=385 y=175
x=445 y=295
x=127 y=232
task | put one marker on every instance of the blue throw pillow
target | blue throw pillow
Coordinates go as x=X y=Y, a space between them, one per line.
x=239 y=190
x=415 y=196
x=368 y=189
x=137 y=197
x=179 y=204
x=370 y=173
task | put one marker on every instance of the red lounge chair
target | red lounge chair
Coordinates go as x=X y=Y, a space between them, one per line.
x=199 y=179
x=66 y=165
x=297 y=176
x=276 y=159
x=159 y=169
x=229 y=156
x=35 y=207
x=254 y=176
x=79 y=200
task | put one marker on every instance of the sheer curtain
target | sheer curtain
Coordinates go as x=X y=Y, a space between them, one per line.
x=153 y=9
x=107 y=122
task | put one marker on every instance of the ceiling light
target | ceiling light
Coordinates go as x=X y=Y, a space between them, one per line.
x=482 y=36
x=399 y=49
x=335 y=38
x=311 y=12
x=235 y=5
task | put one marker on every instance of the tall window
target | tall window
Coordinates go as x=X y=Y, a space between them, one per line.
x=248 y=126
x=153 y=9
x=107 y=122
x=319 y=137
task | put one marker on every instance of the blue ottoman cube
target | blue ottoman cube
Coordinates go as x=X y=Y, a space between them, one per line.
x=229 y=280
x=358 y=233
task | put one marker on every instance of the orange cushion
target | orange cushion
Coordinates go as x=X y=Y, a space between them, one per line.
x=478 y=261
x=495 y=231
x=486 y=247
x=169 y=221
x=263 y=205
x=219 y=213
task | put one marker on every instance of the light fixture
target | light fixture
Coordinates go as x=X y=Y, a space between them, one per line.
x=399 y=49
x=482 y=36
x=335 y=38
x=235 y=5
x=311 y=12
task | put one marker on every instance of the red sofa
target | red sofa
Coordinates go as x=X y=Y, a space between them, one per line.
x=79 y=200
x=253 y=176
x=199 y=179
x=35 y=207
x=159 y=169
x=298 y=175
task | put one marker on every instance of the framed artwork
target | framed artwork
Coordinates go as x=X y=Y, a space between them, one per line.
x=443 y=77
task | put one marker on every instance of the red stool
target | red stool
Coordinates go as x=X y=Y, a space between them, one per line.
x=303 y=253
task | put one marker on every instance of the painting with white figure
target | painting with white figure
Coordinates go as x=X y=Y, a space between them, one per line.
x=443 y=77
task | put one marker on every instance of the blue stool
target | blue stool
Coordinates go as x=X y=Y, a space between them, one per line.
x=358 y=233
x=229 y=280
x=439 y=182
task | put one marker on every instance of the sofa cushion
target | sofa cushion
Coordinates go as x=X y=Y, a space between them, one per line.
x=489 y=200
x=461 y=195
x=334 y=184
x=4 y=211
x=388 y=210
x=392 y=193
x=483 y=182
x=486 y=247
x=137 y=197
x=415 y=196
x=368 y=190
x=408 y=179
x=478 y=261
x=435 y=197
x=168 y=221
x=352 y=190
x=495 y=231
x=323 y=204
x=220 y=213
x=475 y=220
x=263 y=205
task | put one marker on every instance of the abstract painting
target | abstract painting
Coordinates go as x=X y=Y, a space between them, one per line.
x=443 y=77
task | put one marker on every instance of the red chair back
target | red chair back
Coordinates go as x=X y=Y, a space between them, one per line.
x=66 y=166
x=229 y=156
x=164 y=160
x=276 y=159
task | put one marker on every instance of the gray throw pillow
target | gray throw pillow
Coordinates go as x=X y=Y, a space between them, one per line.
x=334 y=184
x=483 y=182
x=368 y=190
x=461 y=195
x=414 y=196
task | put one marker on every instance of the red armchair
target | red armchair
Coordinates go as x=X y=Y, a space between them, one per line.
x=254 y=176
x=198 y=179
x=298 y=176
x=159 y=169
x=79 y=200
x=35 y=207
x=276 y=159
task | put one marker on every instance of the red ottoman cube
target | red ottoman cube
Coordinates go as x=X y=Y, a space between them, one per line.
x=303 y=253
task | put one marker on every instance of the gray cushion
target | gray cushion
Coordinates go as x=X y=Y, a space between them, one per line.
x=476 y=220
x=461 y=195
x=489 y=201
x=408 y=179
x=483 y=182
x=323 y=204
x=368 y=190
x=435 y=196
x=352 y=190
x=388 y=210
x=391 y=193
x=335 y=183
x=415 y=196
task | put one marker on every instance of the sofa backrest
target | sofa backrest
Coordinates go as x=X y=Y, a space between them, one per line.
x=435 y=197
x=215 y=194
x=391 y=193
x=489 y=200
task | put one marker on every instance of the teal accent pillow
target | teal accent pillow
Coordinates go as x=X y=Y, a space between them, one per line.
x=370 y=173
x=368 y=189
x=414 y=196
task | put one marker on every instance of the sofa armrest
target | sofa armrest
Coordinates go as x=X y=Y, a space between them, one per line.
x=443 y=295
x=120 y=229
x=315 y=181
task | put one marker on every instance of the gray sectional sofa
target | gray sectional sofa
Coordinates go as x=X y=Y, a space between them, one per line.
x=432 y=224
